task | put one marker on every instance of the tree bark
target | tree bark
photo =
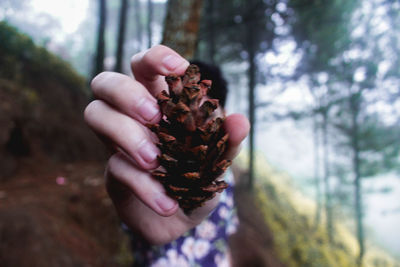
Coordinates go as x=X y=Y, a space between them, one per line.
x=328 y=195
x=149 y=21
x=211 y=29
x=138 y=24
x=251 y=74
x=316 y=170
x=182 y=25
x=357 y=179
x=121 y=35
x=100 y=47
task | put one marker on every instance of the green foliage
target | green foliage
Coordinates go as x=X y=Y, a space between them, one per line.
x=20 y=57
x=321 y=29
x=236 y=20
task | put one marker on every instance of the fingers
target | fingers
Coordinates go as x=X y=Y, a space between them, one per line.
x=126 y=94
x=144 y=187
x=150 y=66
x=238 y=128
x=128 y=134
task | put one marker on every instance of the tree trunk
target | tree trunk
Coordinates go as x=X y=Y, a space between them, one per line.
x=211 y=28
x=121 y=35
x=316 y=171
x=138 y=24
x=357 y=180
x=252 y=107
x=149 y=21
x=181 y=26
x=100 y=48
x=328 y=195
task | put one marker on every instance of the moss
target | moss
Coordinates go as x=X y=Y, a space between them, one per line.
x=290 y=216
x=296 y=240
x=43 y=95
x=22 y=60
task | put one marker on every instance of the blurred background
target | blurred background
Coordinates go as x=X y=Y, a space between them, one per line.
x=319 y=81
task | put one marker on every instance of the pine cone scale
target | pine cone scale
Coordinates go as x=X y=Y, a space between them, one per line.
x=191 y=141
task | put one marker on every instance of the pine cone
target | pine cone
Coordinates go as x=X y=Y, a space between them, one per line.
x=191 y=141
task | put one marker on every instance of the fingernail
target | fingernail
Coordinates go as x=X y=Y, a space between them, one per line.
x=148 y=152
x=171 y=62
x=165 y=203
x=148 y=109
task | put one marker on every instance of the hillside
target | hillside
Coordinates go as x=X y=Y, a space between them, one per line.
x=41 y=103
x=51 y=165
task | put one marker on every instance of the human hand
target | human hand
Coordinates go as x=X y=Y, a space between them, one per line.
x=122 y=107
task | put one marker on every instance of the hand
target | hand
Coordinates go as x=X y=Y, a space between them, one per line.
x=123 y=106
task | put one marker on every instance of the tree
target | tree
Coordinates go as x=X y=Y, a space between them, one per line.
x=138 y=23
x=100 y=47
x=371 y=138
x=321 y=30
x=208 y=24
x=149 y=22
x=182 y=25
x=317 y=160
x=372 y=143
x=121 y=35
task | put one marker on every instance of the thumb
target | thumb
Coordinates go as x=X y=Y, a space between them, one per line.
x=238 y=127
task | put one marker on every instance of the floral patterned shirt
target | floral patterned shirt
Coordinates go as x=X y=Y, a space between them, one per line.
x=204 y=245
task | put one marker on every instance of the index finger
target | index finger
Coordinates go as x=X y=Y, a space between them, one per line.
x=149 y=67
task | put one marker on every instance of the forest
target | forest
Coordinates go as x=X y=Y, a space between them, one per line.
x=317 y=181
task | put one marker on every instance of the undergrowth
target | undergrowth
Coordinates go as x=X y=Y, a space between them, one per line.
x=19 y=56
x=297 y=240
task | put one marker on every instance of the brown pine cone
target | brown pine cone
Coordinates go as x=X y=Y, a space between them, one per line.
x=191 y=141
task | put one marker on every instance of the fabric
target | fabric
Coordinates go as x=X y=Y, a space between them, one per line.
x=204 y=245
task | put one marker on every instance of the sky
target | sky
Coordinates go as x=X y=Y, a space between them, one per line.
x=70 y=13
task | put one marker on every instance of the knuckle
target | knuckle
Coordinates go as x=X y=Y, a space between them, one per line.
x=99 y=79
x=161 y=49
x=91 y=110
x=112 y=164
x=137 y=57
x=115 y=166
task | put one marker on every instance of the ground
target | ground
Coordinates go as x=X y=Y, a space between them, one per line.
x=54 y=214
x=69 y=223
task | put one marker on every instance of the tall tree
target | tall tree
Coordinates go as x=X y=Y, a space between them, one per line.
x=256 y=33
x=370 y=137
x=182 y=25
x=209 y=17
x=251 y=74
x=317 y=160
x=321 y=30
x=324 y=99
x=149 y=22
x=327 y=174
x=138 y=23
x=121 y=35
x=371 y=142
x=100 y=47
